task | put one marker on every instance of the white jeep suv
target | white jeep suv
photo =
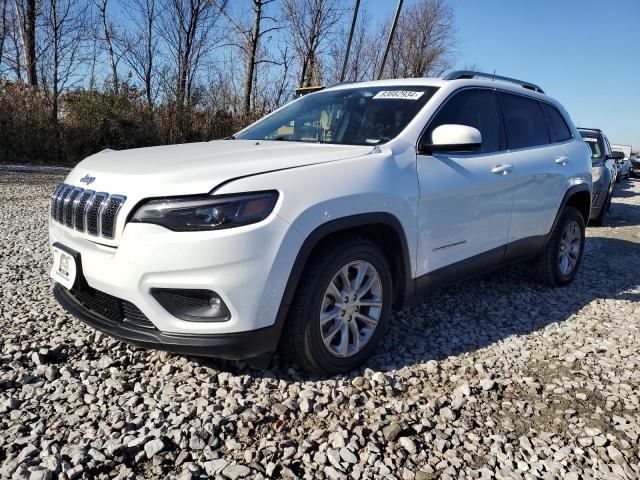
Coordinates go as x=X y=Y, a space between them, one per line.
x=306 y=229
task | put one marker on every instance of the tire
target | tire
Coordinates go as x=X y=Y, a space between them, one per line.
x=548 y=268
x=302 y=341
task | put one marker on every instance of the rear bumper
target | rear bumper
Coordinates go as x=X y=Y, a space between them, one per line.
x=232 y=346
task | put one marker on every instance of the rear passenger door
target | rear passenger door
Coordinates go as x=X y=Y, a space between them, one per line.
x=541 y=165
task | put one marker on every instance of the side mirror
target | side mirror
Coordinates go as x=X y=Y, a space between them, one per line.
x=452 y=138
x=615 y=155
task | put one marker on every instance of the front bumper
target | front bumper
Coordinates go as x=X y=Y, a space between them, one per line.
x=234 y=346
x=248 y=267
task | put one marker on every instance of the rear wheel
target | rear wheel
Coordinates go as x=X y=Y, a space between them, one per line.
x=341 y=308
x=558 y=264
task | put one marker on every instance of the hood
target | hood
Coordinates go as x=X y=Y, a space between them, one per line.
x=188 y=169
x=199 y=167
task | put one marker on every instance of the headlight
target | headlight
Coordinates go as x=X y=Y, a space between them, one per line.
x=596 y=173
x=207 y=212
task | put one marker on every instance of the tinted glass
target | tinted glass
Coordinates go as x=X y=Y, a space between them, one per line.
x=558 y=125
x=352 y=116
x=595 y=143
x=524 y=121
x=474 y=108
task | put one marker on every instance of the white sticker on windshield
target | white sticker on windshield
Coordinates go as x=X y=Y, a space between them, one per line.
x=589 y=139
x=397 y=95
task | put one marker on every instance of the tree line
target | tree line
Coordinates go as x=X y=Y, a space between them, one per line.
x=77 y=76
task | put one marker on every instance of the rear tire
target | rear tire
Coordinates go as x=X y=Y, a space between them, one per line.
x=325 y=304
x=558 y=264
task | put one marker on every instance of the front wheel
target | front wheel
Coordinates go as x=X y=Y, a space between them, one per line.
x=341 y=308
x=558 y=264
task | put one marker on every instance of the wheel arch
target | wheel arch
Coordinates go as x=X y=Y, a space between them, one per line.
x=578 y=196
x=383 y=228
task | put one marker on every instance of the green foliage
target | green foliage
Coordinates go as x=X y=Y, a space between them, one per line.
x=90 y=121
x=27 y=132
x=93 y=121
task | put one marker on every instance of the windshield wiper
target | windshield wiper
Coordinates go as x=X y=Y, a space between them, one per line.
x=230 y=137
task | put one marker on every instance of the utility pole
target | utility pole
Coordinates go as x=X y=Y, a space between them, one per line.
x=353 y=27
x=393 y=30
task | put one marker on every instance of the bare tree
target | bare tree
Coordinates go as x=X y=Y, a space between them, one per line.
x=141 y=44
x=423 y=44
x=188 y=28
x=4 y=27
x=12 y=46
x=249 y=44
x=366 y=48
x=27 y=13
x=65 y=26
x=108 y=32
x=310 y=23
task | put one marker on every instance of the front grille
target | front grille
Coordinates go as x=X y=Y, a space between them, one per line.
x=110 y=307
x=87 y=211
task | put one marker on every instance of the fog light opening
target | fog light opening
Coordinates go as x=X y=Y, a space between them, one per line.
x=215 y=303
x=193 y=305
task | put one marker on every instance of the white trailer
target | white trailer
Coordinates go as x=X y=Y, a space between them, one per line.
x=626 y=149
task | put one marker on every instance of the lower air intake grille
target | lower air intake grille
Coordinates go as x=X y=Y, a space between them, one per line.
x=110 y=307
x=134 y=316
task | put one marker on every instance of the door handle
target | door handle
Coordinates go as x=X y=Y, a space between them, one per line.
x=502 y=169
x=562 y=160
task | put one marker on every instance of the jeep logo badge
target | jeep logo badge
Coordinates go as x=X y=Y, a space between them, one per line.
x=87 y=179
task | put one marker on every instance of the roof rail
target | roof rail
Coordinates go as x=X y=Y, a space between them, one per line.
x=304 y=90
x=589 y=128
x=459 y=74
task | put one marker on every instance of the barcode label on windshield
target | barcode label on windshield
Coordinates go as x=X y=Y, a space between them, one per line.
x=397 y=95
x=589 y=139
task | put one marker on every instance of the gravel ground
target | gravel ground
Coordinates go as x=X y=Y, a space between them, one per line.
x=493 y=378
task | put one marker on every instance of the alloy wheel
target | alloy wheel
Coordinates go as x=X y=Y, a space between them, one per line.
x=570 y=246
x=351 y=308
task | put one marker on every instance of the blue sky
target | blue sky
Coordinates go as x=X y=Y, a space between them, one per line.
x=584 y=53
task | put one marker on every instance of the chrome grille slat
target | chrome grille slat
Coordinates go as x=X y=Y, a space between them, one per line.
x=95 y=213
x=54 y=197
x=109 y=213
x=60 y=202
x=78 y=209
x=68 y=206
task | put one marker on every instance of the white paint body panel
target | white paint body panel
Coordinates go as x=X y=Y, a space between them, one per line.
x=465 y=209
x=438 y=200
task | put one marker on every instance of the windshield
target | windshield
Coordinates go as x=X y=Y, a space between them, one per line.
x=594 y=144
x=355 y=116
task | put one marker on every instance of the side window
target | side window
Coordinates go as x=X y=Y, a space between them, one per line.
x=474 y=108
x=607 y=148
x=524 y=121
x=557 y=122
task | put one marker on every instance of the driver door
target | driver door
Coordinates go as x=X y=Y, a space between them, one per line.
x=466 y=199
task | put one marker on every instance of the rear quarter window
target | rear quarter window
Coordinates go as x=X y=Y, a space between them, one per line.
x=557 y=123
x=524 y=121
